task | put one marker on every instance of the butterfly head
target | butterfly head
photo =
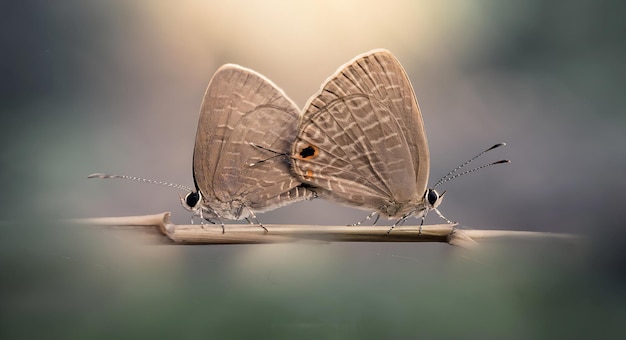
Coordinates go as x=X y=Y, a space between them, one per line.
x=192 y=201
x=432 y=199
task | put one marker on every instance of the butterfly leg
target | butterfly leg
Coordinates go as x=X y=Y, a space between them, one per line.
x=202 y=219
x=367 y=218
x=401 y=221
x=212 y=222
x=255 y=219
x=376 y=220
x=395 y=224
x=197 y=214
x=203 y=222
x=443 y=217
x=422 y=224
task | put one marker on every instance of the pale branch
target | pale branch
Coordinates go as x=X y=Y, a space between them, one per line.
x=280 y=233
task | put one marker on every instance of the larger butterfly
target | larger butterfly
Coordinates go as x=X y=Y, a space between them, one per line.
x=362 y=140
x=243 y=115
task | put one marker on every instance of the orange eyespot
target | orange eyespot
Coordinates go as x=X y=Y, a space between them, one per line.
x=308 y=174
x=309 y=152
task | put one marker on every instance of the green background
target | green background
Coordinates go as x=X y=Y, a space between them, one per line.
x=115 y=86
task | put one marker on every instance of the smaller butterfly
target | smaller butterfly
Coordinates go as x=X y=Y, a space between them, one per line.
x=243 y=116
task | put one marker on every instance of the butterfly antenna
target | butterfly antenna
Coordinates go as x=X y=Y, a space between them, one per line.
x=472 y=170
x=449 y=176
x=139 y=179
x=276 y=154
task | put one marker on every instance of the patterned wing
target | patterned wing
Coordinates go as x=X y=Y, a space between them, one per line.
x=241 y=107
x=362 y=136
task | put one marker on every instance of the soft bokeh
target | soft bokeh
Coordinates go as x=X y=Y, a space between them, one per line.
x=115 y=86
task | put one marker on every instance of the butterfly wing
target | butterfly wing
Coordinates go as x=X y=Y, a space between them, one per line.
x=242 y=108
x=362 y=137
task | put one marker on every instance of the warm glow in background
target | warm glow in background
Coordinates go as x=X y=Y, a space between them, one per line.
x=115 y=86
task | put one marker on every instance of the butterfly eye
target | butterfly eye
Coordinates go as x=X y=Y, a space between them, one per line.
x=309 y=152
x=432 y=197
x=192 y=199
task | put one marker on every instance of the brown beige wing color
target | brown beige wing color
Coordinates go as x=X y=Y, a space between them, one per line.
x=241 y=111
x=362 y=139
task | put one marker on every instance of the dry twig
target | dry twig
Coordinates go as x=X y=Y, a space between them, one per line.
x=278 y=233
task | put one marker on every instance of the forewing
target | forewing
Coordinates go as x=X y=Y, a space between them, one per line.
x=378 y=76
x=356 y=151
x=255 y=167
x=240 y=108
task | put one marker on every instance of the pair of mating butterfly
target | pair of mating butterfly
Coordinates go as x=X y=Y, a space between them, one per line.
x=360 y=141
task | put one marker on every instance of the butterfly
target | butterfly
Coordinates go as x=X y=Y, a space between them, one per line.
x=243 y=114
x=361 y=140
x=240 y=159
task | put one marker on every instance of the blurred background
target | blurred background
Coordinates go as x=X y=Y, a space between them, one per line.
x=115 y=86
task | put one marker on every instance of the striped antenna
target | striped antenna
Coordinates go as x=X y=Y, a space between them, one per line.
x=139 y=179
x=450 y=175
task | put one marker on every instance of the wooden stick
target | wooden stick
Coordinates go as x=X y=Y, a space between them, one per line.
x=278 y=233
